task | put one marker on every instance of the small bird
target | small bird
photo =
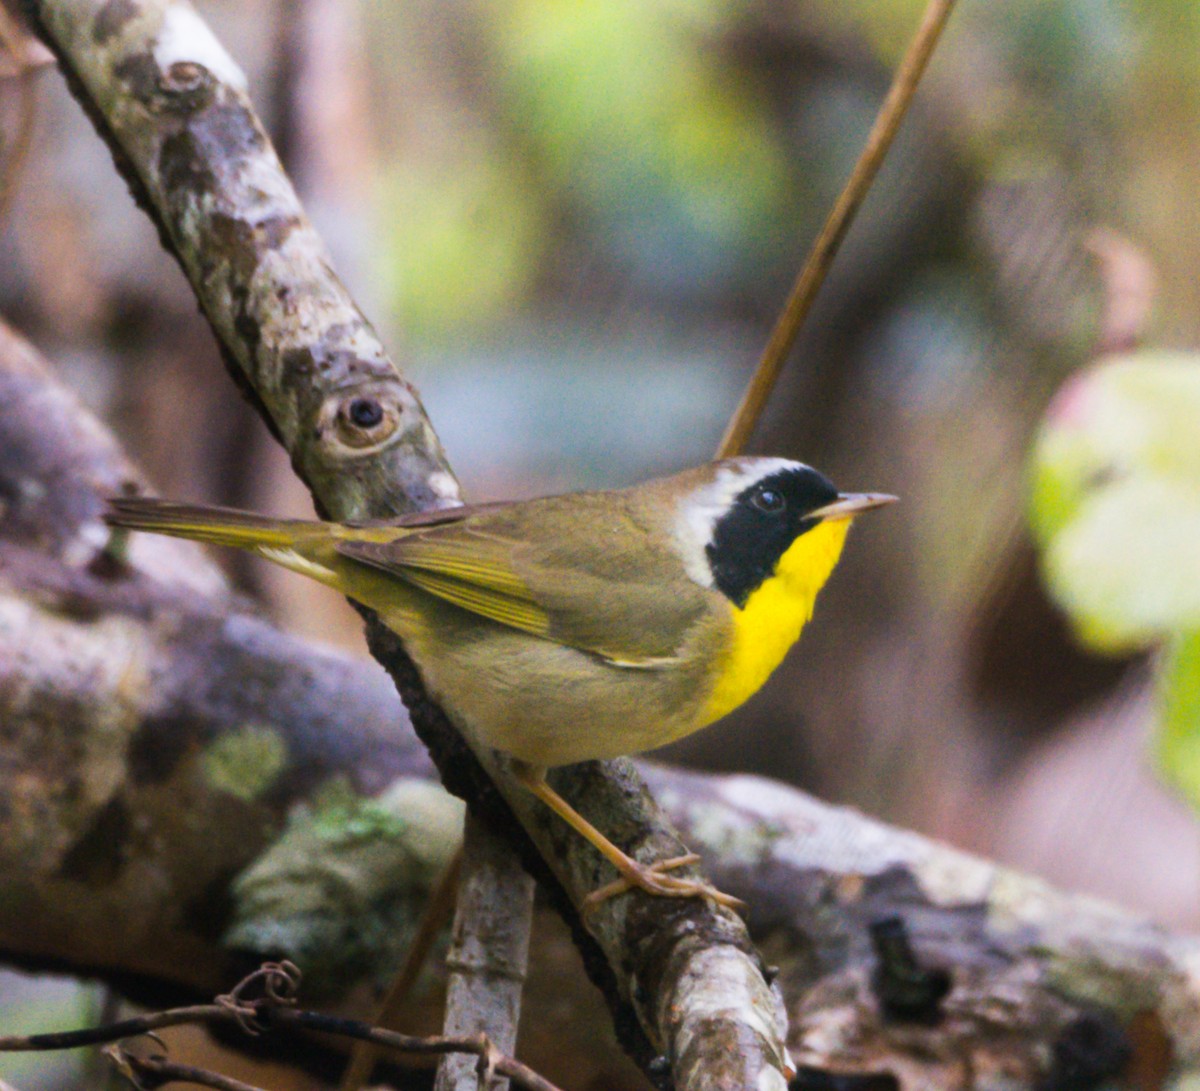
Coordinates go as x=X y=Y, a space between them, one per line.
x=580 y=626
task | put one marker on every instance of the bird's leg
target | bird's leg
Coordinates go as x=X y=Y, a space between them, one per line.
x=650 y=878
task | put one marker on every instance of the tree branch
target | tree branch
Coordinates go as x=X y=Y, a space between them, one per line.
x=140 y=772
x=489 y=952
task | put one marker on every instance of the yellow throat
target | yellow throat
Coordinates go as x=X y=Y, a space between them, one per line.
x=774 y=614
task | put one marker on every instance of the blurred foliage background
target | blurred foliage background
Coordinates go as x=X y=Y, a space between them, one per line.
x=576 y=223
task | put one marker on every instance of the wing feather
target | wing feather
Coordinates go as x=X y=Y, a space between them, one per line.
x=495 y=605
x=607 y=591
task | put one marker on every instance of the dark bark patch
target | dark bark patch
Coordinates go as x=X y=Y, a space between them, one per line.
x=158 y=746
x=322 y=360
x=181 y=167
x=113 y=16
x=907 y=990
x=817 y=1079
x=298 y=361
x=242 y=243
x=209 y=913
x=139 y=73
x=96 y=858
x=219 y=138
x=76 y=603
x=229 y=133
x=246 y=326
x=1089 y=1051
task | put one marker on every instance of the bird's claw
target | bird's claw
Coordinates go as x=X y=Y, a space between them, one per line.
x=653 y=879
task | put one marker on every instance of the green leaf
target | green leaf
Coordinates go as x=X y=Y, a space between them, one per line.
x=1126 y=568
x=1115 y=499
x=1178 y=740
x=1115 y=508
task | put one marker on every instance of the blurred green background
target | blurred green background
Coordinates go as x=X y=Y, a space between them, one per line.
x=576 y=223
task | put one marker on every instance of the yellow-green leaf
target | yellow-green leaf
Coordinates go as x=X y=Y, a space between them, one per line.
x=1178 y=739
x=1115 y=507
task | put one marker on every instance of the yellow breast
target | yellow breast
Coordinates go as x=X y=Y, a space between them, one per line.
x=774 y=614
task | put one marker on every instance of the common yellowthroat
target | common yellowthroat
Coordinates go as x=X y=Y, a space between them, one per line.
x=579 y=626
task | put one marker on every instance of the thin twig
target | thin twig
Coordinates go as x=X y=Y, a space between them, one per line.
x=278 y=983
x=479 y=1044
x=437 y=912
x=114 y=1032
x=161 y=1071
x=820 y=258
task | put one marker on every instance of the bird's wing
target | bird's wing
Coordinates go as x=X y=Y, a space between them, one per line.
x=441 y=566
x=607 y=589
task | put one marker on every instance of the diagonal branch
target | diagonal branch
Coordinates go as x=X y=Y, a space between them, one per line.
x=173 y=107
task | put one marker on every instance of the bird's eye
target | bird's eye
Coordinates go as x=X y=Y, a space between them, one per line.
x=769 y=500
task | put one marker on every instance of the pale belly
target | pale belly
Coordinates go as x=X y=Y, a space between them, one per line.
x=552 y=705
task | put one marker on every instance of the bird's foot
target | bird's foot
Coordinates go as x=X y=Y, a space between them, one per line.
x=653 y=879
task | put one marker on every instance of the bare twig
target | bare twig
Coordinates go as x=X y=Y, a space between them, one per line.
x=115 y=1032
x=160 y=1071
x=823 y=251
x=477 y=1044
x=277 y=982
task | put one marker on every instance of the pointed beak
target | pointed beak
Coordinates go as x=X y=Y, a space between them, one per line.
x=850 y=504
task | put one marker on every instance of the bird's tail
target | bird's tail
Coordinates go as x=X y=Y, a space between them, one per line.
x=221 y=526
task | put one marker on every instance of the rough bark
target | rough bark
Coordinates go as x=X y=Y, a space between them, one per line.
x=142 y=771
x=489 y=954
x=174 y=108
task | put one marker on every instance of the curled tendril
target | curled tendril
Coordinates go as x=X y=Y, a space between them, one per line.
x=279 y=986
